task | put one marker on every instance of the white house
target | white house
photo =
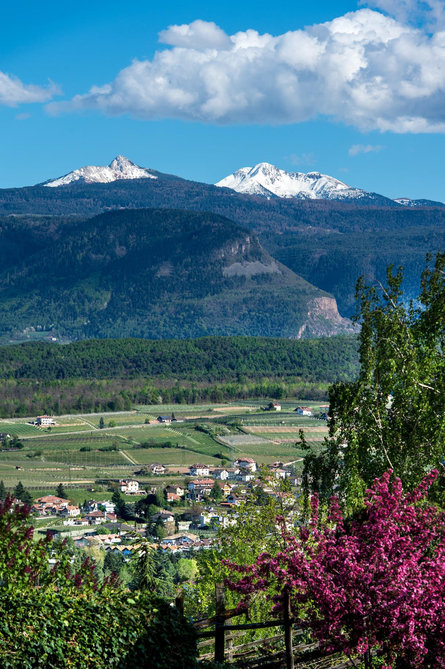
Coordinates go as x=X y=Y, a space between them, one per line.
x=157 y=468
x=220 y=474
x=199 y=470
x=45 y=420
x=69 y=511
x=246 y=476
x=304 y=411
x=246 y=463
x=200 y=487
x=129 y=486
x=277 y=406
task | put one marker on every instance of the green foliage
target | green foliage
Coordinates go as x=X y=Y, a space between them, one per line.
x=22 y=494
x=65 y=617
x=110 y=375
x=216 y=493
x=187 y=569
x=392 y=416
x=113 y=562
x=254 y=532
x=60 y=491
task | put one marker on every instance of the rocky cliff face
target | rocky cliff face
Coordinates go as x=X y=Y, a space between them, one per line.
x=324 y=319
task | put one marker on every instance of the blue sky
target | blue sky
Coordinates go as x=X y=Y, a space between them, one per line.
x=208 y=105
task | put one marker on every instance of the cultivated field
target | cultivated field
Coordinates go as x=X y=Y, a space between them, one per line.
x=78 y=453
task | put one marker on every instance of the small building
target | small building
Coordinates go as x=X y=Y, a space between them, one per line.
x=304 y=411
x=172 y=497
x=220 y=474
x=200 y=487
x=277 y=406
x=130 y=486
x=164 y=419
x=44 y=421
x=246 y=463
x=157 y=469
x=69 y=511
x=199 y=470
x=176 y=489
x=95 y=517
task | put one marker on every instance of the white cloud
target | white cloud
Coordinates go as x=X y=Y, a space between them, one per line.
x=364 y=69
x=13 y=92
x=196 y=35
x=356 y=149
x=430 y=13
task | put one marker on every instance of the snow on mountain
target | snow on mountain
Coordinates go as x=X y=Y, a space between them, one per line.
x=407 y=202
x=119 y=168
x=270 y=181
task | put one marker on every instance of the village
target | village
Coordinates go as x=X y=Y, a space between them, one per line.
x=208 y=498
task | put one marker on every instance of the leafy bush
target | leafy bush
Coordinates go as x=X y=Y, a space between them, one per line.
x=59 y=616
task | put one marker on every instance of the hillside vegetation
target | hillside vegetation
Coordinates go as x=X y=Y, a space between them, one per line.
x=207 y=359
x=112 y=375
x=156 y=273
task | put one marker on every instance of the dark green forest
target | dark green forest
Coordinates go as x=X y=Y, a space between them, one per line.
x=113 y=375
x=208 y=359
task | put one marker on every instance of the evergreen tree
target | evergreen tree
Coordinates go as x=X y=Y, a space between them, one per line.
x=101 y=423
x=113 y=562
x=19 y=491
x=121 y=507
x=216 y=493
x=2 y=491
x=60 y=492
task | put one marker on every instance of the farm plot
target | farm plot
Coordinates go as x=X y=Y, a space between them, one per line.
x=181 y=409
x=64 y=429
x=19 y=429
x=286 y=429
x=287 y=434
x=241 y=440
x=281 y=419
x=145 y=433
x=72 y=441
x=170 y=456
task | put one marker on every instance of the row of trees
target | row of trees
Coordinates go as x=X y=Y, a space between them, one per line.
x=19 y=398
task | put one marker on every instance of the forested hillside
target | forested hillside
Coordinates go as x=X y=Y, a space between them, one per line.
x=210 y=359
x=156 y=274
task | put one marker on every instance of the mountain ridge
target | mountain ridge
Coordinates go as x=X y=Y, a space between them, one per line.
x=268 y=180
x=158 y=273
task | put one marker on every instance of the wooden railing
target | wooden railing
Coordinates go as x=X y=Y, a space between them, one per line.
x=224 y=634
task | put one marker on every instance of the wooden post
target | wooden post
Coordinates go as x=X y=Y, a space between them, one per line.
x=288 y=631
x=219 y=624
x=179 y=603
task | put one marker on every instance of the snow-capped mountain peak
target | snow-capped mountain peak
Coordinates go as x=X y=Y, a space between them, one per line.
x=119 y=168
x=270 y=181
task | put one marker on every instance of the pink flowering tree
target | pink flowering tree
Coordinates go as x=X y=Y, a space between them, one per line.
x=373 y=588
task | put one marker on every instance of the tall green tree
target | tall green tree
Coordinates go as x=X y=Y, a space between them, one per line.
x=2 y=491
x=216 y=493
x=19 y=490
x=392 y=416
x=60 y=491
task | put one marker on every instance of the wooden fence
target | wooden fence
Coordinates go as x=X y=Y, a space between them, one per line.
x=224 y=634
